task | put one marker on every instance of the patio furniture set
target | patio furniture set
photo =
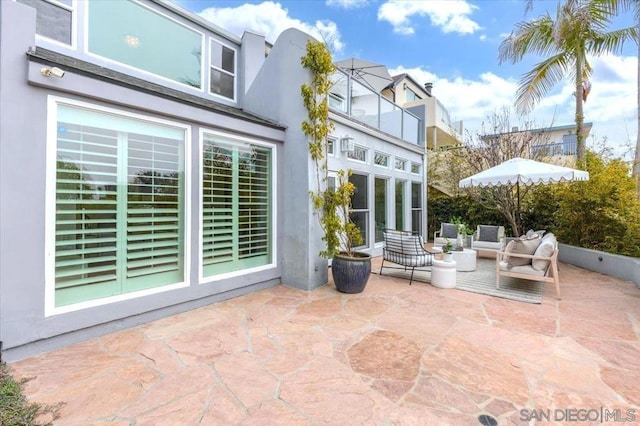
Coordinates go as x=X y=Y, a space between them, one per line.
x=531 y=257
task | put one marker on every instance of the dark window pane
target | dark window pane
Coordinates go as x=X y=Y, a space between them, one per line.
x=222 y=84
x=359 y=198
x=52 y=21
x=400 y=206
x=416 y=195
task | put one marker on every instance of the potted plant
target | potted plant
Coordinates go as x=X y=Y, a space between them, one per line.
x=447 y=256
x=350 y=269
x=465 y=232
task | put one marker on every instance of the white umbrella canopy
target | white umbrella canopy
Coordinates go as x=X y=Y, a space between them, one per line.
x=522 y=171
x=376 y=76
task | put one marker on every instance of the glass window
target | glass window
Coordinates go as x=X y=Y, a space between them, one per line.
x=119 y=205
x=359 y=154
x=380 y=208
x=400 y=205
x=360 y=205
x=223 y=65
x=411 y=95
x=129 y=33
x=236 y=205
x=401 y=164
x=331 y=143
x=381 y=159
x=53 y=21
x=415 y=168
x=416 y=207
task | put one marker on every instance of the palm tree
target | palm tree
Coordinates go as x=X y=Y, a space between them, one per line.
x=634 y=5
x=578 y=30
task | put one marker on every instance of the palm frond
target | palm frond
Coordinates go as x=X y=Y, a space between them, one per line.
x=528 y=37
x=536 y=84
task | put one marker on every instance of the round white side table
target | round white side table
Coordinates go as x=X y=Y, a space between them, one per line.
x=443 y=274
x=465 y=260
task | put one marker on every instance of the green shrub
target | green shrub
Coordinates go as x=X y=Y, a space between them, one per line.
x=15 y=410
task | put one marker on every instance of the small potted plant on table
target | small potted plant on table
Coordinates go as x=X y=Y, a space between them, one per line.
x=447 y=256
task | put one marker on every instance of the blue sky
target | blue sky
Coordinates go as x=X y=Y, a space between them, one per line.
x=454 y=45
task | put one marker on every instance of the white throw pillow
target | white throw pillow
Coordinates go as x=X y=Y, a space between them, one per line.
x=521 y=247
x=544 y=249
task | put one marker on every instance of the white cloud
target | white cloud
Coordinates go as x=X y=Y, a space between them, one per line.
x=271 y=19
x=450 y=15
x=347 y=4
x=611 y=105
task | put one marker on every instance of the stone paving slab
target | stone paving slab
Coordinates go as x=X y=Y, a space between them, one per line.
x=394 y=354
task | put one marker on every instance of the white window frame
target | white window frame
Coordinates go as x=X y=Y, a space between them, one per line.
x=418 y=165
x=375 y=156
x=203 y=57
x=331 y=146
x=50 y=208
x=235 y=68
x=74 y=25
x=404 y=164
x=274 y=213
x=355 y=160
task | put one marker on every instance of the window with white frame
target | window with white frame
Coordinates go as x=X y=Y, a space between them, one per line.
x=410 y=95
x=331 y=143
x=416 y=207
x=135 y=35
x=358 y=154
x=222 y=79
x=380 y=208
x=381 y=159
x=415 y=168
x=400 y=203
x=400 y=164
x=360 y=205
x=54 y=19
x=236 y=205
x=119 y=204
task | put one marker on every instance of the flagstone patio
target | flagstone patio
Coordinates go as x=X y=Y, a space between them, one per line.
x=395 y=354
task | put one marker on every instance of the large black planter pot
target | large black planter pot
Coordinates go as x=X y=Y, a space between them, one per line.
x=350 y=274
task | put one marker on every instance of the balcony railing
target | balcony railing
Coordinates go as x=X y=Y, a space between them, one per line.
x=556 y=149
x=353 y=98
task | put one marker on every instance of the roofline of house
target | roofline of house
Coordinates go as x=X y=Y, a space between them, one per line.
x=49 y=57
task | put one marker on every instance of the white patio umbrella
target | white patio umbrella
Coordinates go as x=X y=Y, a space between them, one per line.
x=376 y=76
x=523 y=171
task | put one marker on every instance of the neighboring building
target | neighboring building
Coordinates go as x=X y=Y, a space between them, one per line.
x=441 y=132
x=557 y=143
x=152 y=163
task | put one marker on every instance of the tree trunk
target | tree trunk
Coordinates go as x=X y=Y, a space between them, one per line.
x=580 y=149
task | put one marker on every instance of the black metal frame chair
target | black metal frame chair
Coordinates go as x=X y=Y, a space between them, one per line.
x=407 y=249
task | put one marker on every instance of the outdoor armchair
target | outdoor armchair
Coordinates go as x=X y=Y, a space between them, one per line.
x=405 y=249
x=489 y=237
x=448 y=231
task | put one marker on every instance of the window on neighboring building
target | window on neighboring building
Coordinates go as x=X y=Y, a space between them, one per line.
x=236 y=205
x=381 y=159
x=416 y=207
x=415 y=168
x=400 y=205
x=337 y=102
x=380 y=208
x=411 y=95
x=401 y=164
x=54 y=19
x=223 y=70
x=358 y=154
x=119 y=224
x=569 y=144
x=134 y=35
x=360 y=205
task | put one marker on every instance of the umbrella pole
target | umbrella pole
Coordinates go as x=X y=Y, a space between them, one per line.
x=518 y=218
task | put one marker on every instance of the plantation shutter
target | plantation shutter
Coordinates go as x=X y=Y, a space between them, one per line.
x=119 y=197
x=236 y=206
x=154 y=217
x=86 y=213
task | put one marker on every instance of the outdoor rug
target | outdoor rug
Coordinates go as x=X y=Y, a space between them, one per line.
x=482 y=280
